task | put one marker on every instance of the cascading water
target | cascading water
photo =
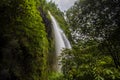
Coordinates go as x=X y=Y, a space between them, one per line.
x=61 y=40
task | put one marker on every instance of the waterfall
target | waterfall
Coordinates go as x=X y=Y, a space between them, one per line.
x=61 y=40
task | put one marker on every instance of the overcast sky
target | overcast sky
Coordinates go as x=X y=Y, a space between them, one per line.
x=64 y=4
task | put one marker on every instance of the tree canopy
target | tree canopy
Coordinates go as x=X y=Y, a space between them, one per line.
x=98 y=21
x=95 y=35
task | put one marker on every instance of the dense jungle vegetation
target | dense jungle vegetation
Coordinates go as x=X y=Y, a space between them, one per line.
x=27 y=43
x=95 y=30
x=23 y=41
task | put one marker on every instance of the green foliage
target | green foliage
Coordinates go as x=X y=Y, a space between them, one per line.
x=55 y=76
x=99 y=21
x=94 y=19
x=95 y=33
x=24 y=45
x=88 y=64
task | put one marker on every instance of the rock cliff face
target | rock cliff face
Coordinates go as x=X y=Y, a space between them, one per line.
x=23 y=41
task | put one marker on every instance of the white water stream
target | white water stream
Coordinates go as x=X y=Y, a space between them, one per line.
x=61 y=40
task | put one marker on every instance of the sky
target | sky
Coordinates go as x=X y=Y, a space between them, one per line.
x=64 y=4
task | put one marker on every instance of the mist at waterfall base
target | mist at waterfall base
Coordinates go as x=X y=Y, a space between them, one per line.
x=61 y=41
